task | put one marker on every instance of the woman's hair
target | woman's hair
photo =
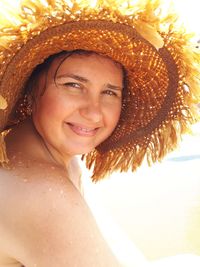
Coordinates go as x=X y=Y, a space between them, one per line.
x=44 y=68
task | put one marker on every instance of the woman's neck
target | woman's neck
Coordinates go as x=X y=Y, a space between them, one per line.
x=24 y=143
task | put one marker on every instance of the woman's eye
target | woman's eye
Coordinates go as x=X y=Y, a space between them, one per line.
x=110 y=93
x=73 y=85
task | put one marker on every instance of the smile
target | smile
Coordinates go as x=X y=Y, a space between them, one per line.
x=82 y=131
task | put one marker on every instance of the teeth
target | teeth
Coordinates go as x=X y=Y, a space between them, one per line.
x=82 y=129
x=85 y=129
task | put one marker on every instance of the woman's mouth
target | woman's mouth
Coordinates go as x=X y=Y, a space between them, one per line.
x=82 y=130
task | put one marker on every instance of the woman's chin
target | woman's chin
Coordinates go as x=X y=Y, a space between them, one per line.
x=85 y=151
x=82 y=151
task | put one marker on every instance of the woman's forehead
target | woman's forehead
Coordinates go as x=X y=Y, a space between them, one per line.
x=76 y=60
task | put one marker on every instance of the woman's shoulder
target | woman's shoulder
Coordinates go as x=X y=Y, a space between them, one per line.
x=34 y=191
x=31 y=197
x=36 y=179
x=41 y=208
x=23 y=189
x=36 y=187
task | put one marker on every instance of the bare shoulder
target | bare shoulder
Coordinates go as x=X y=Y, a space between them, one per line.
x=35 y=179
x=45 y=210
x=35 y=186
x=30 y=197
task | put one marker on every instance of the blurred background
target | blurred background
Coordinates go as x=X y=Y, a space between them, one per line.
x=154 y=212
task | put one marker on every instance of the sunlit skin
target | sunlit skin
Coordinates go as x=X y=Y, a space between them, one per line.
x=81 y=107
x=45 y=221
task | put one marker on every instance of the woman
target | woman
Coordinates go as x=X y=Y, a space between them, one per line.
x=78 y=79
x=80 y=106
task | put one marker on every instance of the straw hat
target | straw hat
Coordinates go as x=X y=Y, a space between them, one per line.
x=162 y=68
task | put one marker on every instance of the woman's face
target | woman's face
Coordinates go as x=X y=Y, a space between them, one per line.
x=80 y=108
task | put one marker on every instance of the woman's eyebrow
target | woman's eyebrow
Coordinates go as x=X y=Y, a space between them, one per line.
x=83 y=79
x=73 y=76
x=114 y=87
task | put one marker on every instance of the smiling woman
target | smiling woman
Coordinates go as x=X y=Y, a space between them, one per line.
x=104 y=80
x=76 y=104
x=82 y=98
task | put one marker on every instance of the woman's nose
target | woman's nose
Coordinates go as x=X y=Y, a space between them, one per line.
x=91 y=111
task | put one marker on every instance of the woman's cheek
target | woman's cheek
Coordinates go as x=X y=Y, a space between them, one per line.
x=52 y=106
